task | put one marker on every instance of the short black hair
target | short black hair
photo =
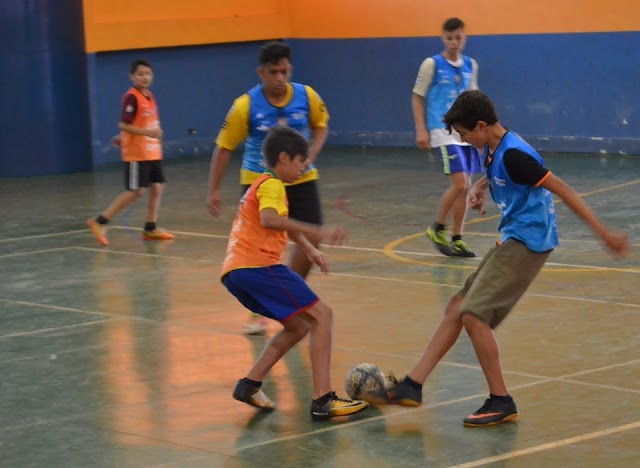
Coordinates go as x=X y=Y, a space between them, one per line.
x=452 y=24
x=137 y=63
x=285 y=139
x=468 y=109
x=274 y=51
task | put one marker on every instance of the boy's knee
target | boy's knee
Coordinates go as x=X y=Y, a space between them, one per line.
x=472 y=323
x=322 y=312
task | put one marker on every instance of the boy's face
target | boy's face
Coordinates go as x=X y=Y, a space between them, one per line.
x=478 y=136
x=289 y=169
x=454 y=41
x=275 y=77
x=142 y=77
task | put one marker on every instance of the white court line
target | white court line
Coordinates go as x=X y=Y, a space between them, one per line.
x=71 y=309
x=34 y=252
x=363 y=249
x=181 y=233
x=457 y=286
x=53 y=329
x=551 y=445
x=139 y=254
x=41 y=356
x=600 y=369
x=360 y=422
x=43 y=236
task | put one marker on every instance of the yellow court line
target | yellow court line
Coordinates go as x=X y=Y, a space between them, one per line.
x=551 y=445
x=389 y=249
x=557 y=201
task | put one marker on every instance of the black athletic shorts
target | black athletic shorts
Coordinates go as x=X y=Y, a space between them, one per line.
x=304 y=202
x=139 y=174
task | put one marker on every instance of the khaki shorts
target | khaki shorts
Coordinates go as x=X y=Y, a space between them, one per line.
x=503 y=276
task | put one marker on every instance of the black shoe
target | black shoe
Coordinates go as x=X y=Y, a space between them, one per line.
x=492 y=412
x=401 y=393
x=441 y=242
x=253 y=396
x=336 y=407
x=461 y=249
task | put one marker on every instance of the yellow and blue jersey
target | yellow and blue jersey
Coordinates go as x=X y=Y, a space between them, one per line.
x=528 y=213
x=252 y=115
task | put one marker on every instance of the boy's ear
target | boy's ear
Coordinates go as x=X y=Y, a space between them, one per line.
x=283 y=157
x=481 y=125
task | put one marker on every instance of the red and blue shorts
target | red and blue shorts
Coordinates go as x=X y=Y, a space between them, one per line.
x=274 y=291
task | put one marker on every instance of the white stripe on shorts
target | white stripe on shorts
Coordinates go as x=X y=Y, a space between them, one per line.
x=134 y=170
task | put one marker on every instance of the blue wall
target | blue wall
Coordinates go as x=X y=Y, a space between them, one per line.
x=44 y=127
x=564 y=92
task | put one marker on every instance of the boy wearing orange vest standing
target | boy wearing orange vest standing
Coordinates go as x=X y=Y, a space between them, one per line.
x=253 y=272
x=141 y=145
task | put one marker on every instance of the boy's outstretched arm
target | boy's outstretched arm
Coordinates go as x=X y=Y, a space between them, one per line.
x=314 y=255
x=616 y=241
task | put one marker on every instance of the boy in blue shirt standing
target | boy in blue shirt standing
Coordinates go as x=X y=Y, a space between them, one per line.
x=440 y=81
x=521 y=187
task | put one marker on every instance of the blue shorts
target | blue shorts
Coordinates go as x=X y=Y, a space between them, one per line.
x=274 y=291
x=459 y=158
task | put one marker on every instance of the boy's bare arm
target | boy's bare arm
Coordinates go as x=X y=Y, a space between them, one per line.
x=617 y=242
x=318 y=137
x=315 y=256
x=150 y=132
x=334 y=235
x=219 y=162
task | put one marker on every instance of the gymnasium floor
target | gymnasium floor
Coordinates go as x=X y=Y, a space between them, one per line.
x=126 y=356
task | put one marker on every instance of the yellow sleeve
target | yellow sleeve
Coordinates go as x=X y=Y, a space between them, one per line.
x=235 y=128
x=318 y=113
x=271 y=194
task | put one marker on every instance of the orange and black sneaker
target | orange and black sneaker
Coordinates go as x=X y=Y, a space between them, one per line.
x=157 y=234
x=494 y=411
x=99 y=231
x=334 y=406
x=253 y=396
x=402 y=392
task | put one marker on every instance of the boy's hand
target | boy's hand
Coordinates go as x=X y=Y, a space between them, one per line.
x=156 y=133
x=334 y=235
x=476 y=199
x=422 y=139
x=116 y=141
x=319 y=258
x=617 y=242
x=214 y=204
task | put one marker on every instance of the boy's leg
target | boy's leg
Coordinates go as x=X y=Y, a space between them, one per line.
x=499 y=285
x=326 y=404
x=304 y=205
x=280 y=294
x=98 y=225
x=155 y=177
x=321 y=347
x=486 y=348
x=452 y=200
x=408 y=392
x=294 y=330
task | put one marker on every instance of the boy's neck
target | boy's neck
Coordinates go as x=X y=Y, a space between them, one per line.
x=496 y=133
x=142 y=89
x=451 y=56
x=273 y=172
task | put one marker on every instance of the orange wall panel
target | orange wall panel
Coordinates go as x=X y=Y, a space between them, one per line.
x=410 y=18
x=123 y=24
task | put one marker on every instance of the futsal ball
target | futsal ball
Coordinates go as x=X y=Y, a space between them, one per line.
x=366 y=382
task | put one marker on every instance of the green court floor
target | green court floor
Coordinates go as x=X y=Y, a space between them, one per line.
x=126 y=356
